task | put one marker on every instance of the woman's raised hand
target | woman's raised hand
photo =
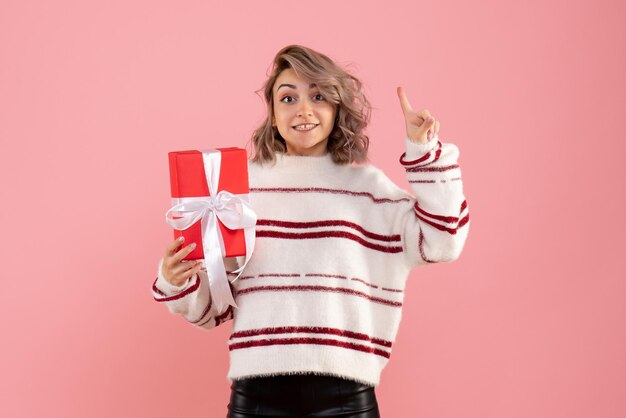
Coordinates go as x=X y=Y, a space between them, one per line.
x=420 y=126
x=175 y=270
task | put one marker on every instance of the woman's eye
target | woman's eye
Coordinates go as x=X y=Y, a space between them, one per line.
x=289 y=99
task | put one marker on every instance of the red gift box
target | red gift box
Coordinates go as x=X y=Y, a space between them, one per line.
x=188 y=179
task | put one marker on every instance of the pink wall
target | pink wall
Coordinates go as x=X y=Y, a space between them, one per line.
x=530 y=322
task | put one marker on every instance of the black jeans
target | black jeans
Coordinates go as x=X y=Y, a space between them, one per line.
x=302 y=395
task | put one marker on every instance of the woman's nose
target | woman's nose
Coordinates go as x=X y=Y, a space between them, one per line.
x=304 y=108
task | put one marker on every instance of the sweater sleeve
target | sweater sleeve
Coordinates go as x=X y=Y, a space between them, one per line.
x=436 y=226
x=192 y=300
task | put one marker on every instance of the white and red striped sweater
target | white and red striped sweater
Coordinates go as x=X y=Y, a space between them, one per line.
x=324 y=288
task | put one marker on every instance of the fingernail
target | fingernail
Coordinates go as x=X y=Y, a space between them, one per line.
x=430 y=135
x=181 y=238
x=430 y=119
x=192 y=245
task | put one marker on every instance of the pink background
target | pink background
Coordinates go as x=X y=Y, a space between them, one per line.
x=529 y=322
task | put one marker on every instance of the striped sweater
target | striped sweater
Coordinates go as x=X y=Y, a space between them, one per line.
x=324 y=288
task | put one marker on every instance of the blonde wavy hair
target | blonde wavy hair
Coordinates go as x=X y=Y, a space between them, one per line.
x=347 y=142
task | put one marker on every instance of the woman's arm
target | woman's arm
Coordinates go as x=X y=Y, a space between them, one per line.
x=436 y=227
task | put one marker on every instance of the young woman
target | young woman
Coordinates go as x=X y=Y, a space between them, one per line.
x=320 y=302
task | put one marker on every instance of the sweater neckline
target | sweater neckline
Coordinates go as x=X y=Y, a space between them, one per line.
x=305 y=162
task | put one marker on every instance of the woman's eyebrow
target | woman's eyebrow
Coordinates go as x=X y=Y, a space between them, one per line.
x=294 y=87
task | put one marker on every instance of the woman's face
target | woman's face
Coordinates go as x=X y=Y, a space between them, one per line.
x=302 y=115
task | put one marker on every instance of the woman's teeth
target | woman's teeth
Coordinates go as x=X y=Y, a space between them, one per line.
x=307 y=127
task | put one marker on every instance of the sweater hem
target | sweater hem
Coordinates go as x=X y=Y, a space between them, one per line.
x=302 y=359
x=300 y=372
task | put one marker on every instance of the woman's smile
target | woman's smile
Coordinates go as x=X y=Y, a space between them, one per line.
x=305 y=127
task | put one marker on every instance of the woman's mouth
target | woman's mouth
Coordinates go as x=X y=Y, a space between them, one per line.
x=305 y=127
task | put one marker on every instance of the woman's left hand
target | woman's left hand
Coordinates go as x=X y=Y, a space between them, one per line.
x=420 y=126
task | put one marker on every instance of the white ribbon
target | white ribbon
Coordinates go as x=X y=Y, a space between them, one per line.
x=233 y=210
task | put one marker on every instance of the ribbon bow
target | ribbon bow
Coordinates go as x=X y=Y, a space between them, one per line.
x=233 y=210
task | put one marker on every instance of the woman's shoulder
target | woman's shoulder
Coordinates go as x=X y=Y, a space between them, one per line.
x=373 y=178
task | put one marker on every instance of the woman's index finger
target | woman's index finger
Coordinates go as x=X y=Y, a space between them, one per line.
x=404 y=101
